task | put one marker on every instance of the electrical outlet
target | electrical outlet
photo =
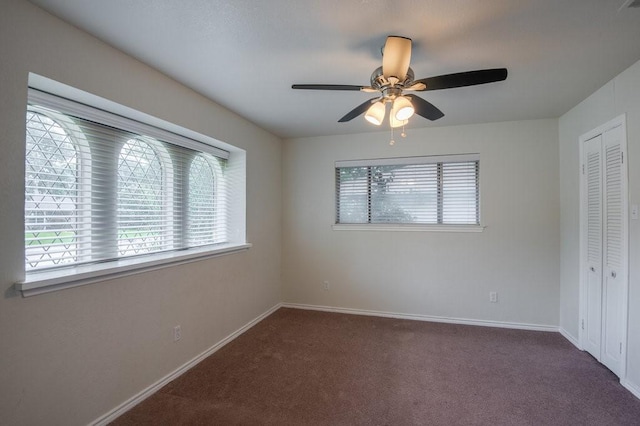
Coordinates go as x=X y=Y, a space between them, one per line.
x=177 y=333
x=326 y=286
x=493 y=296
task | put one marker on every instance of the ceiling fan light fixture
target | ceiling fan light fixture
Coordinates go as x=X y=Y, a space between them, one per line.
x=396 y=123
x=375 y=113
x=402 y=108
x=393 y=121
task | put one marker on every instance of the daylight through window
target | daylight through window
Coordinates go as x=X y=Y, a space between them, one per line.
x=442 y=190
x=52 y=196
x=95 y=192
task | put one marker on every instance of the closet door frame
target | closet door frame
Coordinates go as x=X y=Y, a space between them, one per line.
x=616 y=122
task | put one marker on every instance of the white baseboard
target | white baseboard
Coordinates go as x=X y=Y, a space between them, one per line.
x=570 y=338
x=146 y=393
x=416 y=317
x=634 y=389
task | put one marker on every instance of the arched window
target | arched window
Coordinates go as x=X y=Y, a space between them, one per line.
x=52 y=195
x=101 y=188
x=202 y=204
x=143 y=226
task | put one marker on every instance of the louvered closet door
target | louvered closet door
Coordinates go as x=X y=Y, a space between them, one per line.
x=614 y=245
x=593 y=207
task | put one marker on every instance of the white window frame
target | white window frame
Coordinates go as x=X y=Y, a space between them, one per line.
x=409 y=227
x=65 y=98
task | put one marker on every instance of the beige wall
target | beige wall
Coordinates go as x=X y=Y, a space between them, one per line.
x=619 y=96
x=431 y=273
x=69 y=356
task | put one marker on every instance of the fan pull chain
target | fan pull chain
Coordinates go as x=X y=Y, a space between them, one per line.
x=403 y=134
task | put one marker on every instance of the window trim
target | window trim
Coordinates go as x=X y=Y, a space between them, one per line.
x=46 y=281
x=410 y=227
x=406 y=161
x=406 y=227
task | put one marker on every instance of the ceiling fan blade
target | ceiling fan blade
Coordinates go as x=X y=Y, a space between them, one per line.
x=328 y=87
x=360 y=109
x=396 y=57
x=425 y=108
x=462 y=79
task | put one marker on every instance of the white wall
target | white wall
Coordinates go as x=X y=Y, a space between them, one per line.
x=620 y=95
x=68 y=357
x=431 y=273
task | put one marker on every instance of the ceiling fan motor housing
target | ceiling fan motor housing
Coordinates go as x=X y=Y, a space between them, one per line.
x=389 y=88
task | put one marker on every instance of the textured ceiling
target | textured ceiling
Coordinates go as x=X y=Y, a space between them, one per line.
x=245 y=54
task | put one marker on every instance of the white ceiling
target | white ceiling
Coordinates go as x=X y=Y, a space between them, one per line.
x=245 y=54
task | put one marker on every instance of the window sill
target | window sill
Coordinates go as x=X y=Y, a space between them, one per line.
x=48 y=281
x=407 y=227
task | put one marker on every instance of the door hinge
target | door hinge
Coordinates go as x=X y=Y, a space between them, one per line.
x=620 y=348
x=583 y=324
x=583 y=169
x=622 y=157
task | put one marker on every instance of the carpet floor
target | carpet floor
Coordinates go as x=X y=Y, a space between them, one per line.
x=315 y=368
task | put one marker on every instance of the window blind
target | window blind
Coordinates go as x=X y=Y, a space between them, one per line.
x=438 y=190
x=95 y=192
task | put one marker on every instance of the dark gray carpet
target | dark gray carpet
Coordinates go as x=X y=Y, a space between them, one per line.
x=314 y=368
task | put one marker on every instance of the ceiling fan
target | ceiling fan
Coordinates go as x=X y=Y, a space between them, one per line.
x=395 y=77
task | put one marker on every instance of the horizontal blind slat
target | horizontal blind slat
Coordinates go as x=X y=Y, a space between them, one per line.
x=407 y=191
x=95 y=192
